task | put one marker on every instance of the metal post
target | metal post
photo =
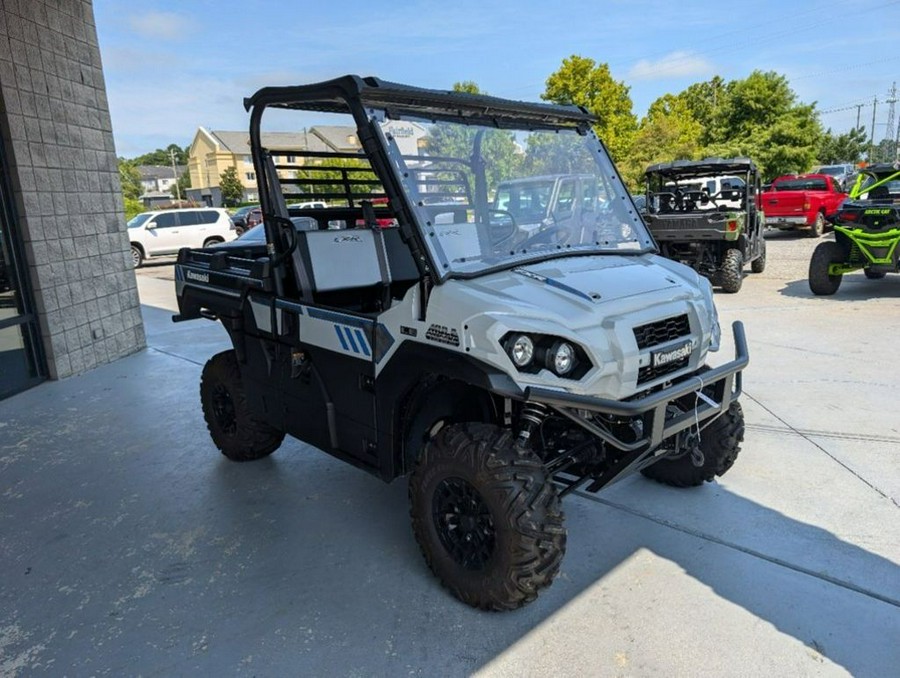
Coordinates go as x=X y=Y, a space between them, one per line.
x=175 y=174
x=872 y=135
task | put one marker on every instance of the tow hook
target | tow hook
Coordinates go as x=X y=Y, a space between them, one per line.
x=692 y=442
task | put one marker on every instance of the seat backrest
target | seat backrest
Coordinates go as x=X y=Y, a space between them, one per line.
x=325 y=261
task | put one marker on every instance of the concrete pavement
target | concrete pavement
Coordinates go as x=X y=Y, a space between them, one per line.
x=130 y=546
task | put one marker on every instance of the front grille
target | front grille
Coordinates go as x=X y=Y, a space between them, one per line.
x=649 y=373
x=661 y=331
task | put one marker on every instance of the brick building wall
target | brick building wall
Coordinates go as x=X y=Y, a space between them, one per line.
x=67 y=199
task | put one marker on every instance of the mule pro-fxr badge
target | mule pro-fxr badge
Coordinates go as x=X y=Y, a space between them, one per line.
x=665 y=357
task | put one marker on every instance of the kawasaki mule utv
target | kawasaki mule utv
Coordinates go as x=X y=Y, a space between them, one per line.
x=866 y=232
x=411 y=328
x=704 y=214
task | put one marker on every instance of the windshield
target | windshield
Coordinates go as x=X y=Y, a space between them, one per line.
x=488 y=198
x=831 y=171
x=134 y=222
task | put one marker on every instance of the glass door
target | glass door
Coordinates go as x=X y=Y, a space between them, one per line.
x=21 y=358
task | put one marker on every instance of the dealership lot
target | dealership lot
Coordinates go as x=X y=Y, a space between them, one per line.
x=131 y=546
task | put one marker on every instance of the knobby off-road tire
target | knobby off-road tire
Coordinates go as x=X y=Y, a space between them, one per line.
x=874 y=275
x=818 y=227
x=820 y=282
x=235 y=430
x=486 y=517
x=720 y=443
x=758 y=265
x=731 y=274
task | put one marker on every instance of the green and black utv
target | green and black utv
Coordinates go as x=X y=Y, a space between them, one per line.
x=866 y=232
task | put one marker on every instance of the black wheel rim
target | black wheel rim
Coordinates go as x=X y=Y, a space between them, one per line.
x=464 y=523
x=223 y=410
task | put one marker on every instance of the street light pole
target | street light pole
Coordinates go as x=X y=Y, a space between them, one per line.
x=175 y=173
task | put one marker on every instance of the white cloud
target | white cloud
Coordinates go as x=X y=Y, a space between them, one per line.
x=674 y=64
x=160 y=25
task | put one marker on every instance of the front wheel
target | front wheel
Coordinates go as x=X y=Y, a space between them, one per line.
x=821 y=282
x=716 y=452
x=486 y=516
x=731 y=275
x=236 y=431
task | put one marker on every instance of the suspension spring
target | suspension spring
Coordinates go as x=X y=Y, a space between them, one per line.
x=531 y=418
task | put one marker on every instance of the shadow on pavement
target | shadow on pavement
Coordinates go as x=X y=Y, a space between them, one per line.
x=131 y=545
x=853 y=287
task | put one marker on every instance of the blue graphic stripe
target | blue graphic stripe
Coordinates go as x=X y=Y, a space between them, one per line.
x=341 y=337
x=362 y=341
x=349 y=334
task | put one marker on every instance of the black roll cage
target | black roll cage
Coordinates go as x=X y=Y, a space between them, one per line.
x=359 y=97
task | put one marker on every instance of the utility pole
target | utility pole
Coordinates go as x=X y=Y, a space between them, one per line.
x=872 y=135
x=858 y=109
x=892 y=99
x=175 y=174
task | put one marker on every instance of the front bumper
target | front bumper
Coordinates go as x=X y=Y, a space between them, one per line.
x=720 y=385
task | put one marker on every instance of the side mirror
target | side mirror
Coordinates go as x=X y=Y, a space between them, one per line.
x=150 y=226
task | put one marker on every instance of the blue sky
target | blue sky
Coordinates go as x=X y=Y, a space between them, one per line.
x=172 y=66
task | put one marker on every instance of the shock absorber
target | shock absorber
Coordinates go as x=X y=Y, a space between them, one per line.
x=530 y=419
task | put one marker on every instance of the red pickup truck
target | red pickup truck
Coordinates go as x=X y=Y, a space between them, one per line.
x=801 y=202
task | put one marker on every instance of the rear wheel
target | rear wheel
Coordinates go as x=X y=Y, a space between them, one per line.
x=820 y=281
x=874 y=275
x=209 y=242
x=731 y=274
x=236 y=431
x=486 y=517
x=716 y=452
x=758 y=265
x=818 y=227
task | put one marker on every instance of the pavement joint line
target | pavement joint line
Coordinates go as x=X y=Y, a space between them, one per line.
x=742 y=549
x=174 y=355
x=837 y=435
x=826 y=452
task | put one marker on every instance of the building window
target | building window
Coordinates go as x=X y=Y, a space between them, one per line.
x=248 y=159
x=251 y=176
x=292 y=158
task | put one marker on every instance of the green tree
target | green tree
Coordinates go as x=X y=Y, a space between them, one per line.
x=668 y=132
x=231 y=187
x=184 y=183
x=502 y=155
x=163 y=156
x=703 y=99
x=336 y=169
x=133 y=207
x=760 y=117
x=130 y=178
x=846 y=147
x=584 y=82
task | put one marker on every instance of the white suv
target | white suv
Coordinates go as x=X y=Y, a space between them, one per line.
x=161 y=233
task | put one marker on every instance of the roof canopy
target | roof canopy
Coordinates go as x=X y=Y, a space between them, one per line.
x=702 y=168
x=343 y=94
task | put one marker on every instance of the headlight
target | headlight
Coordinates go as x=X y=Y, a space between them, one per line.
x=521 y=350
x=533 y=353
x=561 y=358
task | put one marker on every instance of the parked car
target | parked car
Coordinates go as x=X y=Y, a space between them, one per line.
x=843 y=173
x=803 y=201
x=240 y=218
x=161 y=233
